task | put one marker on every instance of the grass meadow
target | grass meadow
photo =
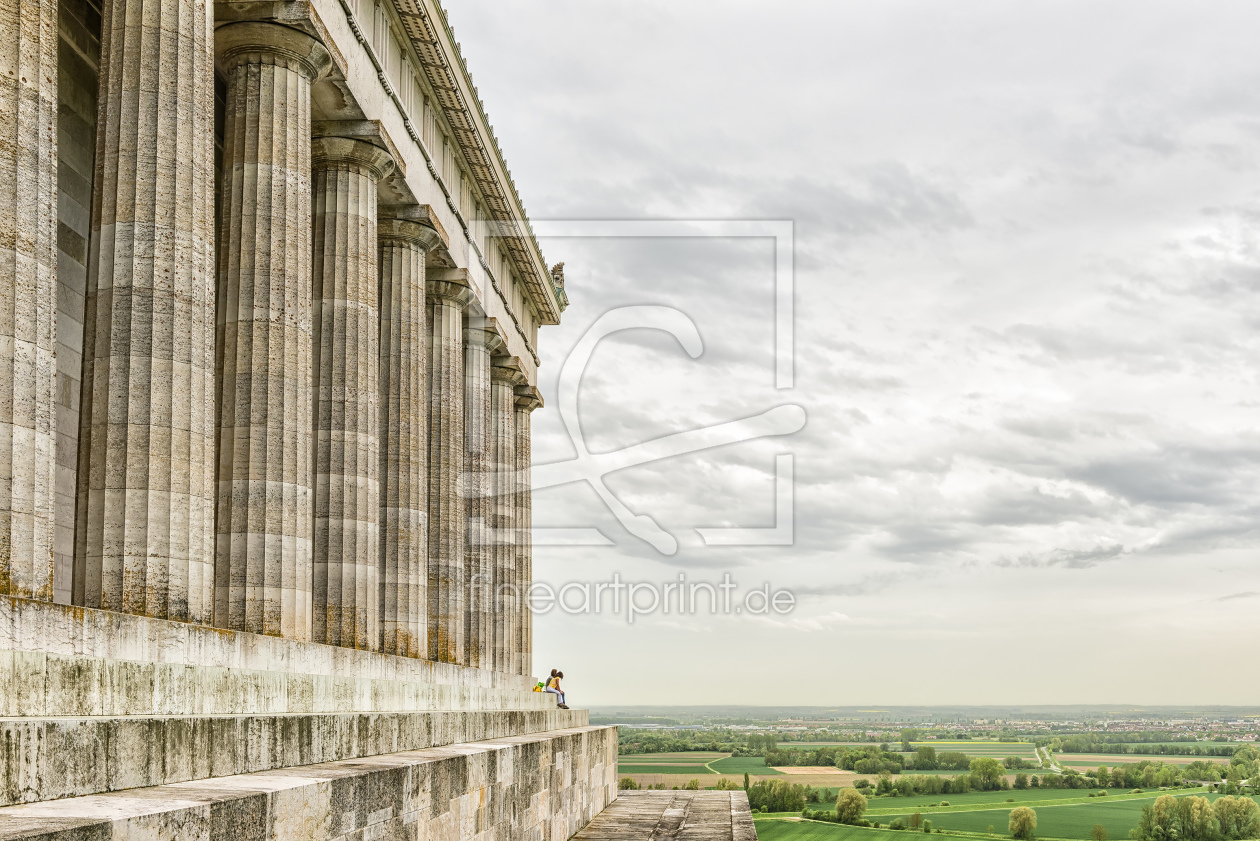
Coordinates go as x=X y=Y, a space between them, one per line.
x=1064 y=814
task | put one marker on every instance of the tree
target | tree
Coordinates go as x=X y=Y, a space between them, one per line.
x=628 y=784
x=927 y=827
x=907 y=736
x=925 y=758
x=1023 y=823
x=1021 y=781
x=850 y=805
x=777 y=796
x=987 y=773
x=1103 y=776
x=745 y=781
x=1184 y=818
x=916 y=820
x=1098 y=833
x=1237 y=817
x=692 y=785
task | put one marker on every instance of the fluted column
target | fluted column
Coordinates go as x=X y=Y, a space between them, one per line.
x=447 y=294
x=145 y=505
x=28 y=295
x=527 y=400
x=263 y=546
x=403 y=420
x=347 y=424
x=507 y=602
x=481 y=339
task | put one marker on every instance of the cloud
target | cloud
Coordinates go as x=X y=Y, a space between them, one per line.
x=1027 y=292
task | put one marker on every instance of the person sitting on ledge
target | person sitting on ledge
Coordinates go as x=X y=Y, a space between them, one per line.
x=553 y=686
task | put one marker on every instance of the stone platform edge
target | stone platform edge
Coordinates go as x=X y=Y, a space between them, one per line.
x=70 y=661
x=544 y=786
x=51 y=758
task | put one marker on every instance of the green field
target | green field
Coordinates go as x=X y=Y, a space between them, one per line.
x=999 y=750
x=1074 y=820
x=744 y=765
x=1093 y=760
x=692 y=770
x=784 y=830
x=1060 y=814
x=974 y=799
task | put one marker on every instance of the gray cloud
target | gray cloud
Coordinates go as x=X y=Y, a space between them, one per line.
x=1028 y=306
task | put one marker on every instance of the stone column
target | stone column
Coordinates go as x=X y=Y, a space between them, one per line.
x=448 y=293
x=481 y=339
x=346 y=320
x=28 y=295
x=403 y=420
x=527 y=400
x=507 y=601
x=145 y=519
x=263 y=547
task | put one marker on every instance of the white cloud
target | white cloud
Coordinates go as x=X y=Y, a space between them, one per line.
x=1027 y=264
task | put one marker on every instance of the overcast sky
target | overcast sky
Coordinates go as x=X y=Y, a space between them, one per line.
x=1027 y=298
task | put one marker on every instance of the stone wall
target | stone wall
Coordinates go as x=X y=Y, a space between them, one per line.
x=94 y=701
x=541 y=788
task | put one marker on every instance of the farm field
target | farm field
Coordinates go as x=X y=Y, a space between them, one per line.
x=690 y=770
x=773 y=829
x=677 y=769
x=754 y=765
x=1093 y=760
x=998 y=750
x=1072 y=818
x=691 y=763
x=1067 y=820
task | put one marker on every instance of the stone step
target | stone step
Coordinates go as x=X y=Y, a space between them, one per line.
x=680 y=815
x=542 y=786
x=50 y=758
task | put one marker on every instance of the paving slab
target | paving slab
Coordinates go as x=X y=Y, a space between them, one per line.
x=675 y=815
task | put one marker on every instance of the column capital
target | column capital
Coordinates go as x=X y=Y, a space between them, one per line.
x=485 y=331
x=450 y=285
x=528 y=398
x=334 y=152
x=507 y=369
x=413 y=224
x=270 y=43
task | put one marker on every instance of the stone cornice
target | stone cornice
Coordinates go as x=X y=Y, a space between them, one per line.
x=425 y=25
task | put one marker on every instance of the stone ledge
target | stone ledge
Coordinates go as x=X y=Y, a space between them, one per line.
x=51 y=758
x=69 y=661
x=545 y=786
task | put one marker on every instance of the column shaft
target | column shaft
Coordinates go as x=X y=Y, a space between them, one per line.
x=445 y=568
x=507 y=592
x=28 y=295
x=526 y=401
x=263 y=548
x=145 y=518
x=480 y=340
x=347 y=420
x=403 y=454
